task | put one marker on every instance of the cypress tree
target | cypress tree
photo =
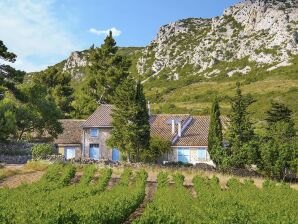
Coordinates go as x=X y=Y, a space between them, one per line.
x=215 y=136
x=240 y=129
x=130 y=119
x=142 y=121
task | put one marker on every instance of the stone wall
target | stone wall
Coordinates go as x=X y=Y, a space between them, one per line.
x=14 y=159
x=16 y=148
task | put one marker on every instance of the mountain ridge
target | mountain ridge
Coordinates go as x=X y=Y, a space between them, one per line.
x=254 y=42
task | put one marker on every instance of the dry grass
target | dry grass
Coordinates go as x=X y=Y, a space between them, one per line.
x=36 y=165
x=7 y=172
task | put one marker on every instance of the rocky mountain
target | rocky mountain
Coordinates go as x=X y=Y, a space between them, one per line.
x=259 y=31
x=249 y=34
x=192 y=60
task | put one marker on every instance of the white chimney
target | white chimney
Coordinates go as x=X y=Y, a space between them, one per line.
x=173 y=126
x=149 y=110
x=179 y=128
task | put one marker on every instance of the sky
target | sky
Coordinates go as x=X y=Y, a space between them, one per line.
x=45 y=32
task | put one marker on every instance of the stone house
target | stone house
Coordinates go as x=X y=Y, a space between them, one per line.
x=87 y=138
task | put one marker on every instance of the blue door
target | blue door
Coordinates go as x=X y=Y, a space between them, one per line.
x=69 y=152
x=94 y=152
x=115 y=155
x=183 y=155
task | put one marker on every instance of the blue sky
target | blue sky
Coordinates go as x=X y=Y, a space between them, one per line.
x=43 y=33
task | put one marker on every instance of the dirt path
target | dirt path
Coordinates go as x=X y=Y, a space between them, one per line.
x=112 y=182
x=16 y=180
x=149 y=192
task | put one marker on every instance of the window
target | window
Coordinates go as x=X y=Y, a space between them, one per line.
x=202 y=153
x=94 y=132
x=184 y=155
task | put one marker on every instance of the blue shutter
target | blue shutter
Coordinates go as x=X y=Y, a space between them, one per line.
x=184 y=155
x=202 y=153
x=115 y=155
x=94 y=152
x=69 y=152
x=94 y=132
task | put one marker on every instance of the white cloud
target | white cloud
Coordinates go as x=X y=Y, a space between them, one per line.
x=114 y=30
x=30 y=29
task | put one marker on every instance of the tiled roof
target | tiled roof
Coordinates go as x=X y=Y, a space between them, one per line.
x=72 y=132
x=100 y=118
x=197 y=132
x=161 y=126
x=194 y=128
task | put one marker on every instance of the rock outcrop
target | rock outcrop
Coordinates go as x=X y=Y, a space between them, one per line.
x=250 y=33
x=264 y=32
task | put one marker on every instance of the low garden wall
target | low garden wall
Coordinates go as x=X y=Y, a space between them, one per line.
x=14 y=159
x=15 y=152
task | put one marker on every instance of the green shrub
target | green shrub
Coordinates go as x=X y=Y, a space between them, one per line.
x=41 y=151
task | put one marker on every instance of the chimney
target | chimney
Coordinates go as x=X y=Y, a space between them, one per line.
x=173 y=126
x=149 y=110
x=179 y=128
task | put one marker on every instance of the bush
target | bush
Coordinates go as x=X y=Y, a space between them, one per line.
x=158 y=147
x=41 y=151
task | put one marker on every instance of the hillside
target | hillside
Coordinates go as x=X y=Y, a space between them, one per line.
x=192 y=60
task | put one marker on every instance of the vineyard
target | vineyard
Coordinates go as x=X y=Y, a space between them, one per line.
x=60 y=196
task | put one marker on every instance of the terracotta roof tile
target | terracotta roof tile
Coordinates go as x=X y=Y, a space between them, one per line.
x=72 y=133
x=197 y=132
x=100 y=118
x=161 y=126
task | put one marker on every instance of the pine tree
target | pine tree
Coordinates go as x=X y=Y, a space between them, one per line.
x=9 y=77
x=59 y=89
x=240 y=129
x=280 y=113
x=106 y=71
x=131 y=130
x=215 y=136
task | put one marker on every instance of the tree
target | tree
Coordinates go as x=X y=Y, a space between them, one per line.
x=7 y=119
x=240 y=129
x=37 y=114
x=9 y=77
x=142 y=121
x=59 y=89
x=215 y=136
x=280 y=113
x=106 y=71
x=279 y=149
x=130 y=132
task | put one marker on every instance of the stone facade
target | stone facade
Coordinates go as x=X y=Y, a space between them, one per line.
x=103 y=135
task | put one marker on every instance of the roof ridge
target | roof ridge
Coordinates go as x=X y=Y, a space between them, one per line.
x=171 y=114
x=72 y=119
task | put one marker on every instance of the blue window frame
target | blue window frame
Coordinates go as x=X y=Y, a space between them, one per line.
x=202 y=153
x=94 y=132
x=184 y=155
